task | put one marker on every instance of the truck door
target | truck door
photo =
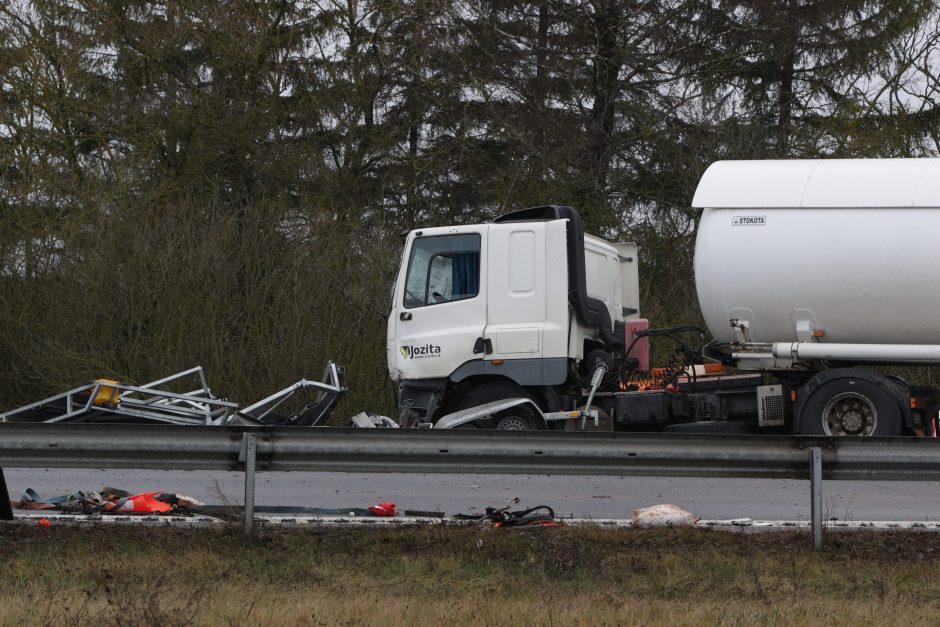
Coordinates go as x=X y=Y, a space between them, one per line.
x=516 y=298
x=440 y=303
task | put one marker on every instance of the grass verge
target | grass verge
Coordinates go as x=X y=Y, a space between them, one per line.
x=164 y=576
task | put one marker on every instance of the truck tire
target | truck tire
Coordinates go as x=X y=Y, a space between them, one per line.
x=849 y=406
x=515 y=419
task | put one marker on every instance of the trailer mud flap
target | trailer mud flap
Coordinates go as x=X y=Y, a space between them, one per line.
x=6 y=510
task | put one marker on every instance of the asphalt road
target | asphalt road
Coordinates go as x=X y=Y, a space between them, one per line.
x=583 y=497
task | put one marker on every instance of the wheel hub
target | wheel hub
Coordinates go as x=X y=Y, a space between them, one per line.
x=512 y=423
x=850 y=414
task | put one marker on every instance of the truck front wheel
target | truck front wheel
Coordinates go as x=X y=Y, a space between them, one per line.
x=850 y=406
x=521 y=418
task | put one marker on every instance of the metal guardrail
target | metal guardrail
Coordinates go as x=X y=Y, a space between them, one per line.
x=465 y=451
x=381 y=450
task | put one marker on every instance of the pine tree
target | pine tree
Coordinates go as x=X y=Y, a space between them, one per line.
x=785 y=65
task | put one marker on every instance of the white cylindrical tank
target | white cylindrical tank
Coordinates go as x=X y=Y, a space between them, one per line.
x=848 y=248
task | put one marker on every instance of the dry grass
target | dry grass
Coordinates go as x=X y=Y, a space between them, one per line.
x=236 y=605
x=132 y=576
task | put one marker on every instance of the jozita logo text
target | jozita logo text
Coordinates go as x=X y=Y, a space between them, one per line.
x=420 y=352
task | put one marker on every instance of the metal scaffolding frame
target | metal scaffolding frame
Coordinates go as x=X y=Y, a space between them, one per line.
x=105 y=401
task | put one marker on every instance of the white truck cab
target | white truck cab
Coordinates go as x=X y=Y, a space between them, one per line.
x=513 y=305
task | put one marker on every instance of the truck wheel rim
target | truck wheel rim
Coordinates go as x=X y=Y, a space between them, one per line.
x=850 y=414
x=512 y=423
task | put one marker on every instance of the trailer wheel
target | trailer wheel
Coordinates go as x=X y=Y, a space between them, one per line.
x=514 y=419
x=850 y=406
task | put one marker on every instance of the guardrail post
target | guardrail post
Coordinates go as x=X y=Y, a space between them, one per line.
x=248 y=454
x=6 y=512
x=815 y=483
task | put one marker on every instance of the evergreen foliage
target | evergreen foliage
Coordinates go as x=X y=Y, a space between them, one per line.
x=225 y=183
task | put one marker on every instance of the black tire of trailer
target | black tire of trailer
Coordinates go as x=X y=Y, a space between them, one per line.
x=867 y=396
x=520 y=418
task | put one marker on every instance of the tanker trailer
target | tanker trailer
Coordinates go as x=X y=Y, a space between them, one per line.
x=808 y=270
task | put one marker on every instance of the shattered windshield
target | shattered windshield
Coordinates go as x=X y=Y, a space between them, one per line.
x=442 y=269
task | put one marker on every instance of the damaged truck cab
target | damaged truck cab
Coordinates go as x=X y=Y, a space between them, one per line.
x=507 y=309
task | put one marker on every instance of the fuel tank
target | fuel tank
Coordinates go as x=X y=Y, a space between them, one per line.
x=841 y=251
